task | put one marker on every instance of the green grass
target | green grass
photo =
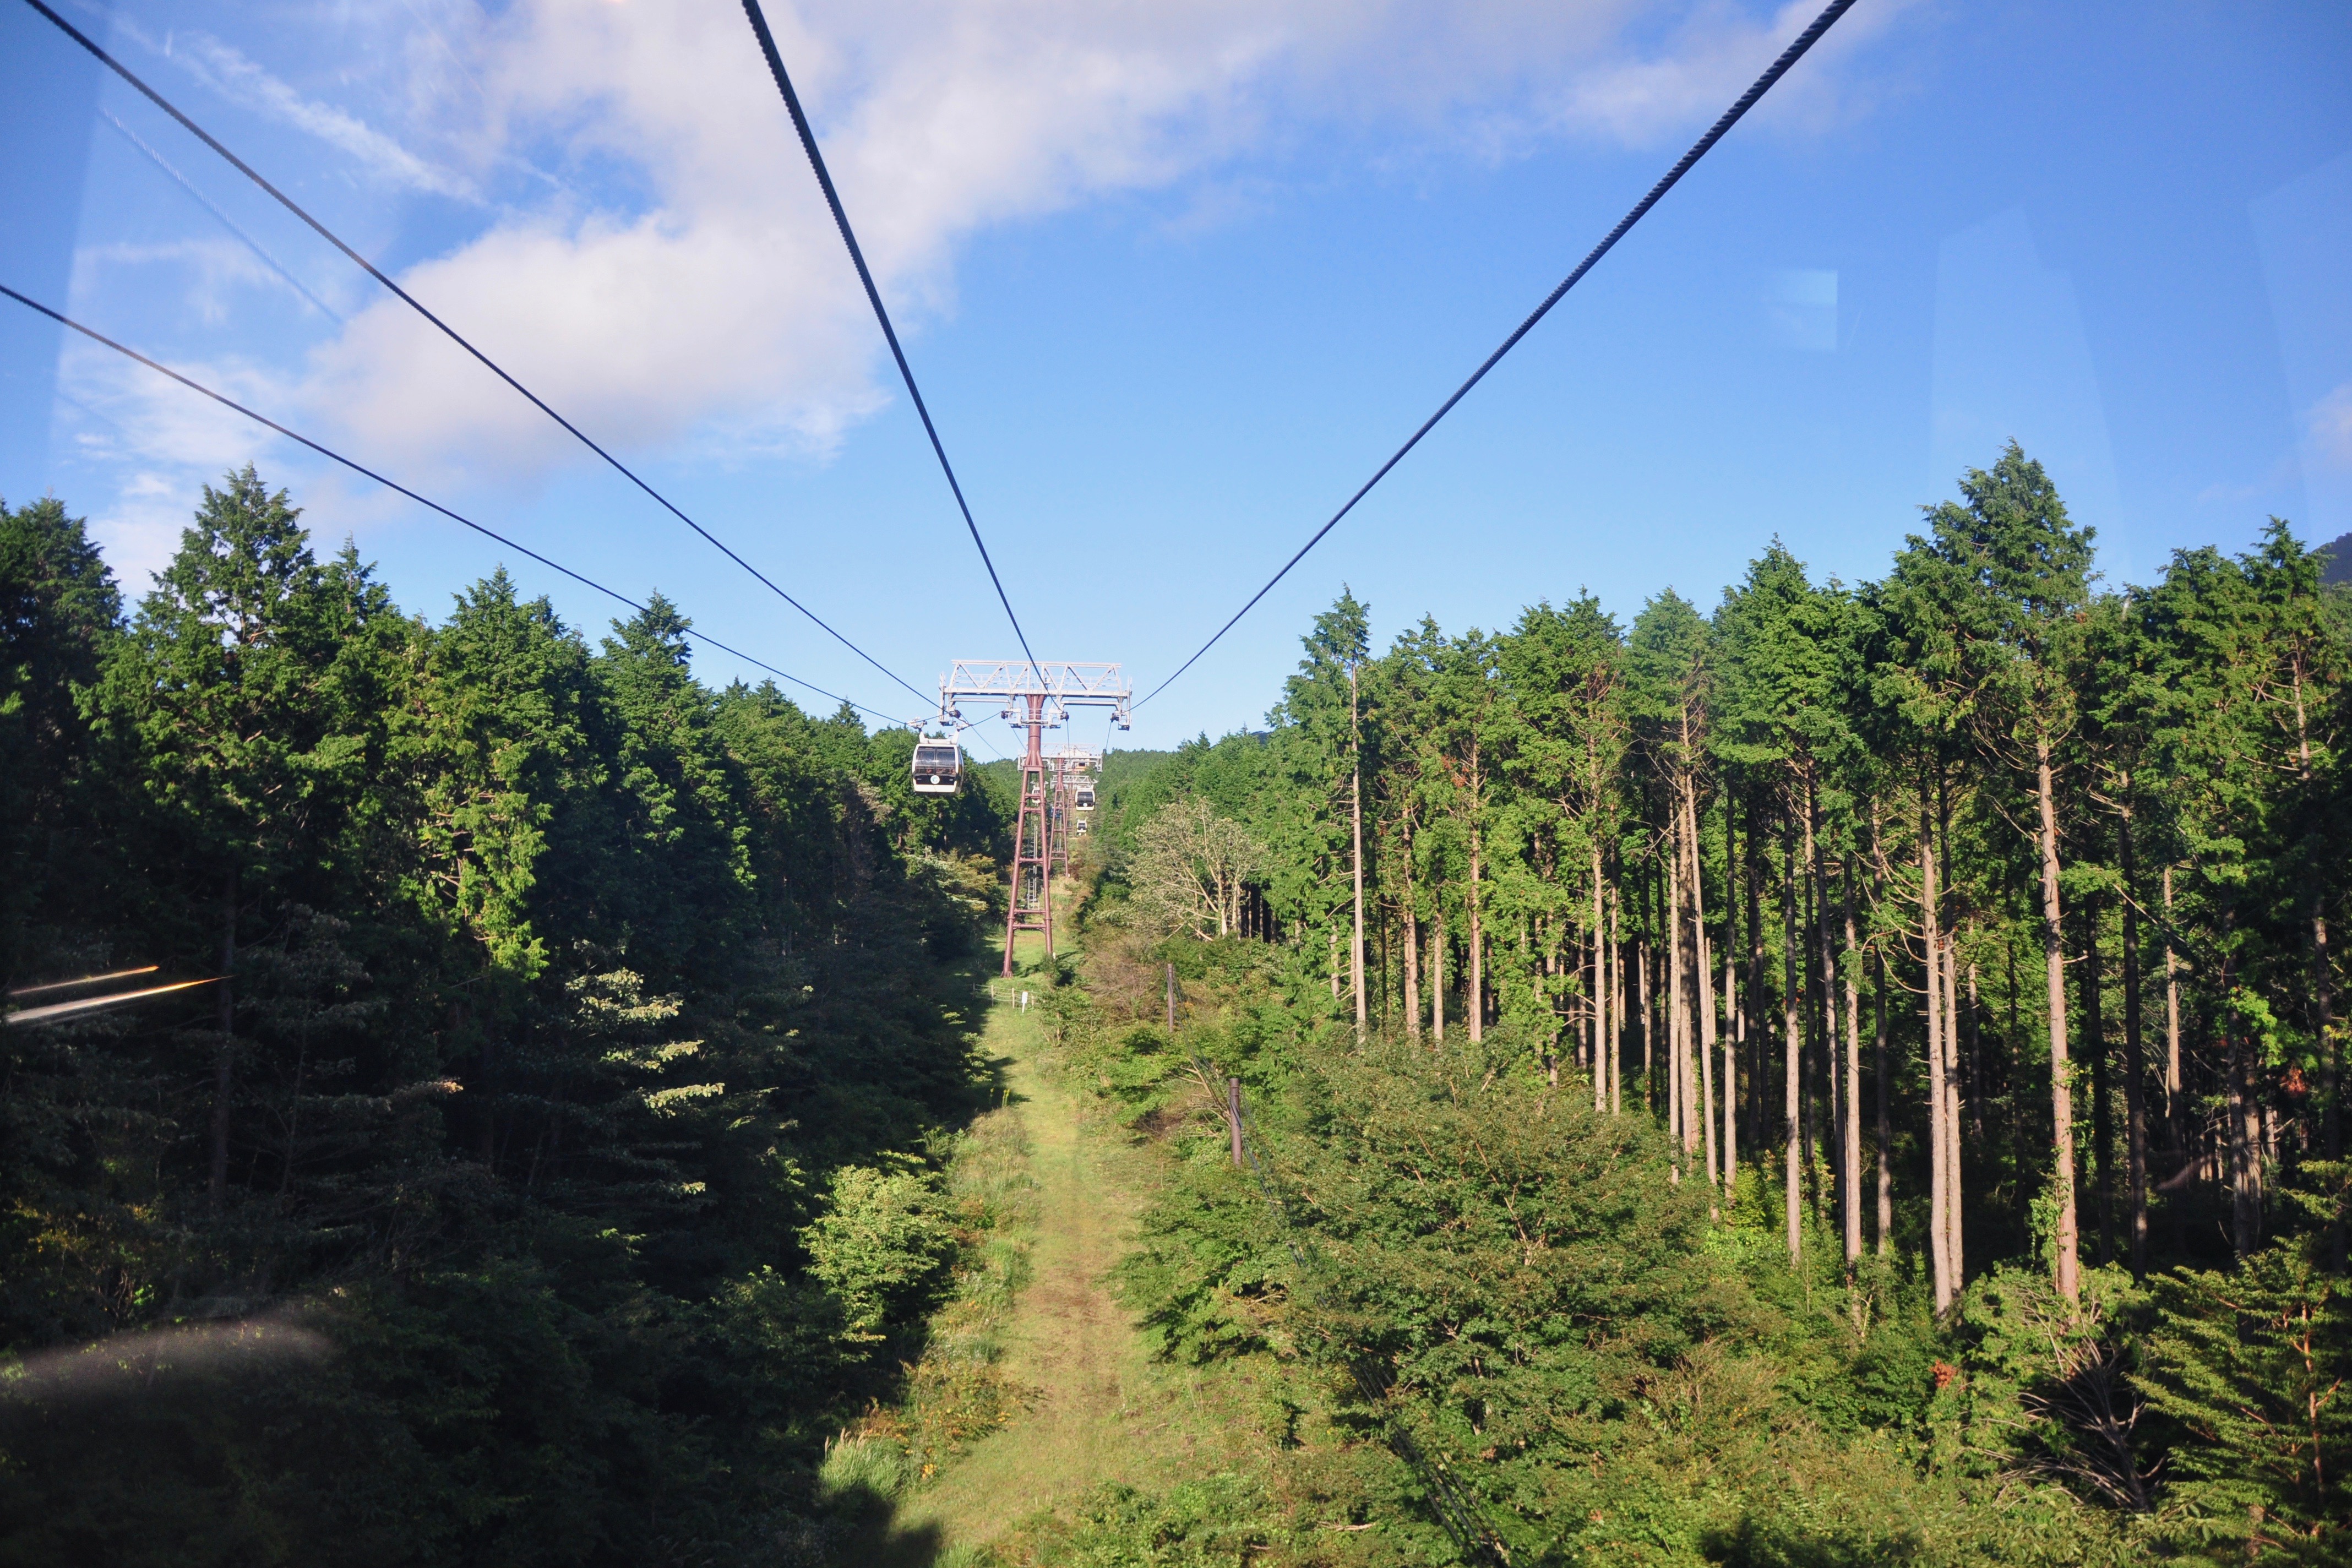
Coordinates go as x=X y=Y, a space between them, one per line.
x=1036 y=1399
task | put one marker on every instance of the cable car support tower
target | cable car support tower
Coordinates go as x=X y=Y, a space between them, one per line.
x=1037 y=695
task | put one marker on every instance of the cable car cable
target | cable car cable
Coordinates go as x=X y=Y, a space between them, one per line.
x=874 y=297
x=329 y=452
x=1763 y=84
x=411 y=301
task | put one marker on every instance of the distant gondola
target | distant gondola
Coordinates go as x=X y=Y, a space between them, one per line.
x=1086 y=797
x=938 y=764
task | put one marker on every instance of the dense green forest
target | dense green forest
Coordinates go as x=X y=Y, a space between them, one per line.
x=1847 y=1076
x=553 y=1160
x=1850 y=1076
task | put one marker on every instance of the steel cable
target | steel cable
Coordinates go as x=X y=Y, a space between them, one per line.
x=370 y=267
x=333 y=456
x=874 y=297
x=1763 y=84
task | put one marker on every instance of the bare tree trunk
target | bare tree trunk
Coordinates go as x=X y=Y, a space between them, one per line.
x=1734 y=1014
x=1704 y=999
x=2176 y=1108
x=1600 y=990
x=1885 y=1125
x=2062 y=1090
x=2246 y=1149
x=224 y=1062
x=1476 y=1005
x=1732 y=1041
x=1617 y=1000
x=1677 y=1011
x=1955 y=1187
x=1793 y=1027
x=1975 y=1080
x=2095 y=1045
x=1411 y=944
x=1356 y=822
x=1760 y=1074
x=1437 y=974
x=1940 y=1242
x=1816 y=997
x=1849 y=1190
x=2135 y=1063
x=2323 y=1007
x=1649 y=1023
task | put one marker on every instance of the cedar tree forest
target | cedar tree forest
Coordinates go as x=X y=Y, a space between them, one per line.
x=1849 y=1074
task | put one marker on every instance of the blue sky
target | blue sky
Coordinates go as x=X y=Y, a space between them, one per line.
x=1175 y=280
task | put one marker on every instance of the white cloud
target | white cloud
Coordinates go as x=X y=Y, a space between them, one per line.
x=181 y=440
x=678 y=283
x=230 y=74
x=2330 y=422
x=1707 y=60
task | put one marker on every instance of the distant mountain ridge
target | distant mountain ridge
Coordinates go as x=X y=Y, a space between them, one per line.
x=2339 y=559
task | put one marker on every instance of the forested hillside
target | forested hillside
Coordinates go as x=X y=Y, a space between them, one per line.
x=1848 y=1074
x=549 y=1164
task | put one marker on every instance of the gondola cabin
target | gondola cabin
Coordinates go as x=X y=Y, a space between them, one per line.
x=1086 y=797
x=937 y=765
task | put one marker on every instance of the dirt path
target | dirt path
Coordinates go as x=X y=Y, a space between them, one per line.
x=1102 y=1411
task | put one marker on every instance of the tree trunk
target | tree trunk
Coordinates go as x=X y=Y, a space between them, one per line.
x=1850 y=1189
x=1702 y=998
x=1793 y=1053
x=1476 y=1002
x=1758 y=1075
x=1617 y=1001
x=1600 y=990
x=2094 y=1042
x=2323 y=1007
x=2062 y=1090
x=1939 y=1230
x=224 y=1062
x=2135 y=1066
x=1955 y=1187
x=1437 y=974
x=2245 y=1148
x=1355 y=824
x=1885 y=1125
x=1733 y=1039
x=1815 y=999
x=1649 y=1023
x=2175 y=1107
x=1973 y=1085
x=1734 y=1014
x=1677 y=1011
x=1411 y=944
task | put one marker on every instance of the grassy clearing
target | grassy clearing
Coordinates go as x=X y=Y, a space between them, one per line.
x=1036 y=1405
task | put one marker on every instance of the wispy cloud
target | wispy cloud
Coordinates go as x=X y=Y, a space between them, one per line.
x=232 y=76
x=678 y=285
x=1706 y=59
x=2330 y=424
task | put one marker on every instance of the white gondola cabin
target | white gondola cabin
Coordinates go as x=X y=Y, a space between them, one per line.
x=1085 y=792
x=937 y=765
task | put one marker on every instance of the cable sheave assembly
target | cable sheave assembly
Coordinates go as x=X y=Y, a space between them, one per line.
x=1730 y=117
x=370 y=267
x=874 y=297
x=333 y=456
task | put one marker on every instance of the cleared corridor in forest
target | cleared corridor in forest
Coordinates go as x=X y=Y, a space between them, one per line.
x=1099 y=1410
